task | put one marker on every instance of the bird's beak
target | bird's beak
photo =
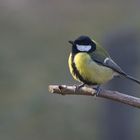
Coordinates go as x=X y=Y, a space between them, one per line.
x=71 y=42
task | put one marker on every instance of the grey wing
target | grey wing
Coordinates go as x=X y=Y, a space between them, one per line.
x=111 y=64
x=108 y=62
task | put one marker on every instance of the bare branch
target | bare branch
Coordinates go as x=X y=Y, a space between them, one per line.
x=113 y=95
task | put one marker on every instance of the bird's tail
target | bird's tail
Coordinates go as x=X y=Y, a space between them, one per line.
x=132 y=78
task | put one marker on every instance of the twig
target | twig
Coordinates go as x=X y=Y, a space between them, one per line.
x=113 y=95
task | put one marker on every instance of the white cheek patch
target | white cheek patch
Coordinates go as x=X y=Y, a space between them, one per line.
x=83 y=48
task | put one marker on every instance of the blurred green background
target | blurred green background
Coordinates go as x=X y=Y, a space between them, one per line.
x=33 y=54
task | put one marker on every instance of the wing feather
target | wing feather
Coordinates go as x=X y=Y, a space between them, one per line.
x=106 y=61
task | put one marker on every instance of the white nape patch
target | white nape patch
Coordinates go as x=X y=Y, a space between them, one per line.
x=106 y=60
x=83 y=48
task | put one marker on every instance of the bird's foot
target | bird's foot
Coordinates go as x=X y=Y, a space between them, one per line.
x=98 y=90
x=79 y=86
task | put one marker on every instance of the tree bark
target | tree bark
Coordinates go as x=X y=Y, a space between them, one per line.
x=87 y=91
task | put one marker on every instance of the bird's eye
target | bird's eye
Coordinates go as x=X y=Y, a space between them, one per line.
x=83 y=48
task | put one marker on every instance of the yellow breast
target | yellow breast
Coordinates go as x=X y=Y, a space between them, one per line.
x=90 y=70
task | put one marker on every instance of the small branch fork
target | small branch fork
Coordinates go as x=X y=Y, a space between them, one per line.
x=87 y=91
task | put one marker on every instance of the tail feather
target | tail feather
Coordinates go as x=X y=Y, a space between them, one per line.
x=132 y=78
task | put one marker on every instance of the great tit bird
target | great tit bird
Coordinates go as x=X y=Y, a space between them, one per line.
x=91 y=64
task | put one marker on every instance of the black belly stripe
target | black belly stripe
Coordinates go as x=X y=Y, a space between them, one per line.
x=78 y=75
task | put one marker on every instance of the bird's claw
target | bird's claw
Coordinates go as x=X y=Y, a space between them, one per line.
x=98 y=90
x=78 y=87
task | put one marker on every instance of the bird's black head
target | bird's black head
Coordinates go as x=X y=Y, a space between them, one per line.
x=83 y=44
